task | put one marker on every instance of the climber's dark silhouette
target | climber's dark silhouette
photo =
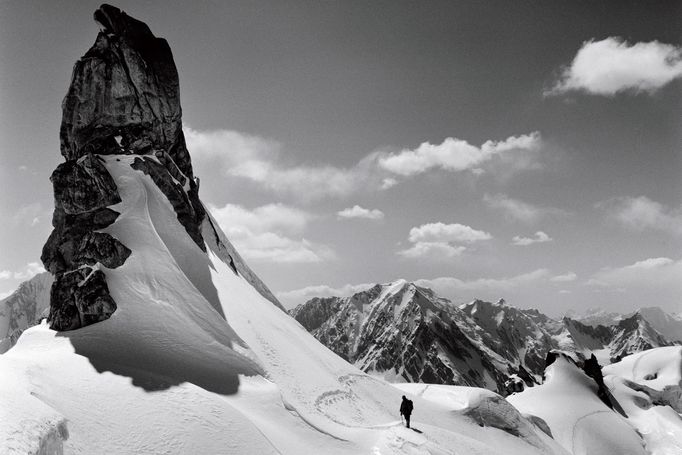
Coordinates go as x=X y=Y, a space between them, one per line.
x=406 y=410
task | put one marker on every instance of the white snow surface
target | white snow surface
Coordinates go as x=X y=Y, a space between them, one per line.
x=195 y=360
x=578 y=419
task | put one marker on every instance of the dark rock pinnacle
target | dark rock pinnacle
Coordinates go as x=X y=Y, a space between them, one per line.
x=123 y=98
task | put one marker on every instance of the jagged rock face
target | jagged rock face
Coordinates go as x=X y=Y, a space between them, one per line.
x=123 y=99
x=402 y=330
x=83 y=297
x=125 y=86
x=24 y=308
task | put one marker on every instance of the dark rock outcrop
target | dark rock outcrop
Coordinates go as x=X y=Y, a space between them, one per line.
x=83 y=190
x=83 y=299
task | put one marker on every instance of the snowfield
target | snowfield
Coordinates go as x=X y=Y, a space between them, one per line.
x=197 y=360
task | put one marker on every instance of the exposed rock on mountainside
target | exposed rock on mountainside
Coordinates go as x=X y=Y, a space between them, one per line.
x=406 y=332
x=24 y=308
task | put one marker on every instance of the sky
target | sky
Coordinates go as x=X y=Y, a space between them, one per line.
x=525 y=150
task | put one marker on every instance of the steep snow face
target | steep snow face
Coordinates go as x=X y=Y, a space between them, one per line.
x=577 y=418
x=649 y=387
x=196 y=359
x=24 y=308
x=656 y=368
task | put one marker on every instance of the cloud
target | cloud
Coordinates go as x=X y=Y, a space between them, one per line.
x=27 y=272
x=519 y=210
x=359 y=212
x=454 y=154
x=661 y=275
x=298 y=296
x=5 y=294
x=388 y=182
x=432 y=250
x=612 y=65
x=641 y=213
x=270 y=233
x=565 y=278
x=452 y=286
x=29 y=215
x=435 y=240
x=440 y=232
x=262 y=162
x=259 y=160
x=539 y=237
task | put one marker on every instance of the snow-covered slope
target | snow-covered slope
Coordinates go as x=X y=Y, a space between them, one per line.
x=167 y=373
x=24 y=308
x=577 y=418
x=649 y=387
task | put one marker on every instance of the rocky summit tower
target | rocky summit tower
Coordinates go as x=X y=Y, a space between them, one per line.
x=123 y=99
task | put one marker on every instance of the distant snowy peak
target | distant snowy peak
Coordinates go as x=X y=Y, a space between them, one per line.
x=595 y=316
x=670 y=326
x=408 y=333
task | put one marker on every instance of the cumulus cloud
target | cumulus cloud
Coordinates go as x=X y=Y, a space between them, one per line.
x=298 y=296
x=565 y=278
x=641 y=213
x=661 y=274
x=270 y=233
x=360 y=212
x=519 y=210
x=440 y=232
x=612 y=65
x=453 y=286
x=261 y=161
x=432 y=250
x=538 y=237
x=454 y=154
x=435 y=240
x=27 y=272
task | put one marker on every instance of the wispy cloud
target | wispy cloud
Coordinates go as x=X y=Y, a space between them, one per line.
x=453 y=286
x=360 y=212
x=538 y=237
x=565 y=278
x=261 y=161
x=440 y=240
x=661 y=274
x=454 y=154
x=27 y=272
x=519 y=210
x=298 y=296
x=641 y=213
x=29 y=214
x=612 y=65
x=270 y=233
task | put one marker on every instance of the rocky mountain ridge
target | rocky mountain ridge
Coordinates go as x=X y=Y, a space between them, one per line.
x=407 y=333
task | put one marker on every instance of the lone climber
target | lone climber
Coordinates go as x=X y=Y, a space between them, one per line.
x=406 y=410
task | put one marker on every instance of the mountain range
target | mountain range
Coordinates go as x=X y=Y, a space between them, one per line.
x=404 y=332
